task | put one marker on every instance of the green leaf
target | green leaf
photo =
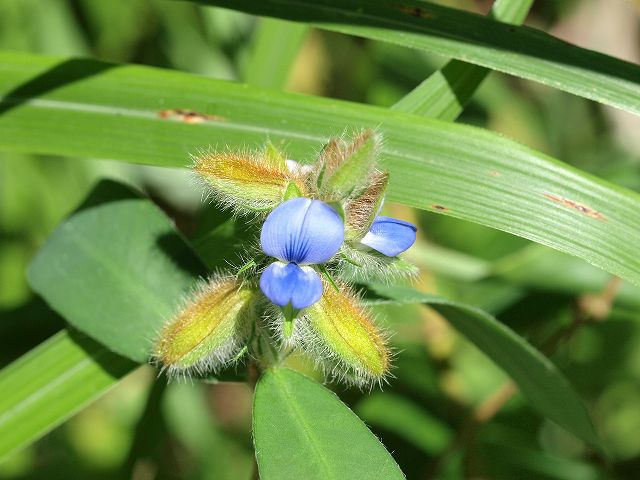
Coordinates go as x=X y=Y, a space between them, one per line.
x=116 y=271
x=537 y=377
x=109 y=269
x=303 y=430
x=52 y=382
x=92 y=109
x=275 y=47
x=445 y=93
x=533 y=266
x=521 y=51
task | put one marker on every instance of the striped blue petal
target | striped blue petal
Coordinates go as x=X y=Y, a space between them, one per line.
x=285 y=283
x=390 y=236
x=302 y=231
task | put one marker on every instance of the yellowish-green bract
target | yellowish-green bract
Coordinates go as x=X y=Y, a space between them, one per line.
x=209 y=330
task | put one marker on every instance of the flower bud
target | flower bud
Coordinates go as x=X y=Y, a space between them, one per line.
x=363 y=209
x=246 y=181
x=209 y=330
x=346 y=167
x=340 y=334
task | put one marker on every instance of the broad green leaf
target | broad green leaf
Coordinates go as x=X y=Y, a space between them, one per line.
x=303 y=430
x=53 y=381
x=520 y=51
x=445 y=93
x=275 y=47
x=537 y=377
x=92 y=109
x=97 y=284
x=116 y=271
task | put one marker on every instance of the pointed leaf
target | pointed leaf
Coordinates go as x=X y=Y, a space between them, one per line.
x=537 y=377
x=303 y=430
x=116 y=271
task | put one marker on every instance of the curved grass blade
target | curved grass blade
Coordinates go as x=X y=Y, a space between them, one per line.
x=276 y=45
x=539 y=380
x=446 y=92
x=50 y=383
x=303 y=430
x=519 y=51
x=86 y=108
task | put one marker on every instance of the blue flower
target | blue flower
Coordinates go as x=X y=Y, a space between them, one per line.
x=299 y=232
x=285 y=283
x=390 y=236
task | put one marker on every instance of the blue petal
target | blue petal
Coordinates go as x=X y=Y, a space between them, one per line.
x=285 y=283
x=390 y=236
x=303 y=231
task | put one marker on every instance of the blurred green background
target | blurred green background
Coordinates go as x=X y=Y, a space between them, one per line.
x=144 y=430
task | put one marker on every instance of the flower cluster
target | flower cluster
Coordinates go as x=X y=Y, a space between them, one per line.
x=320 y=232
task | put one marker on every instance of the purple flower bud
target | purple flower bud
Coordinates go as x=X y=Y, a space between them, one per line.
x=390 y=236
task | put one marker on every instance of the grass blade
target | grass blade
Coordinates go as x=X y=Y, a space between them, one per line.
x=446 y=92
x=276 y=45
x=91 y=109
x=52 y=382
x=519 y=51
